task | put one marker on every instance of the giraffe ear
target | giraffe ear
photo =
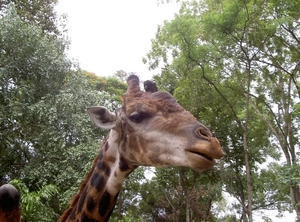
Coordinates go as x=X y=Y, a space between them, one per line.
x=102 y=117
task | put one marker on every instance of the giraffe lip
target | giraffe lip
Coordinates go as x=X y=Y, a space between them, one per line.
x=201 y=154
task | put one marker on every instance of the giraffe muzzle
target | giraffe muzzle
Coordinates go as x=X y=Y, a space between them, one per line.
x=214 y=150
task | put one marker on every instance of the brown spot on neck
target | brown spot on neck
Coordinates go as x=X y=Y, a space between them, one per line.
x=112 y=159
x=123 y=164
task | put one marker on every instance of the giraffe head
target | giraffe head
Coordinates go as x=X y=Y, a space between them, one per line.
x=10 y=210
x=152 y=129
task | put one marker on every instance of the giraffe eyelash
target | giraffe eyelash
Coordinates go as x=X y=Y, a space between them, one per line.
x=138 y=117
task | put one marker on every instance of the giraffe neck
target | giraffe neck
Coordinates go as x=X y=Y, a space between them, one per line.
x=98 y=193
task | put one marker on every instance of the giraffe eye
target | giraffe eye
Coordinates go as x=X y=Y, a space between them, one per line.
x=138 y=117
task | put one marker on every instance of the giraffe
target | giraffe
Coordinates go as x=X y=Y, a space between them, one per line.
x=150 y=129
x=10 y=210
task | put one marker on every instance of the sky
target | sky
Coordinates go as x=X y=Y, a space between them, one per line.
x=112 y=35
x=107 y=36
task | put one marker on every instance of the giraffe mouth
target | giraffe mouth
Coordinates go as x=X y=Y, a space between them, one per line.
x=201 y=155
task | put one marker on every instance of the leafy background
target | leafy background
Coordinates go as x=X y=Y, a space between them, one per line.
x=233 y=64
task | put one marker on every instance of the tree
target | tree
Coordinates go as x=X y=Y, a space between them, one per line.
x=65 y=134
x=35 y=204
x=32 y=66
x=112 y=85
x=220 y=52
x=45 y=130
x=39 y=12
x=268 y=39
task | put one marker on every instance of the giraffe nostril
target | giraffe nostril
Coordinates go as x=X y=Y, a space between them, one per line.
x=203 y=133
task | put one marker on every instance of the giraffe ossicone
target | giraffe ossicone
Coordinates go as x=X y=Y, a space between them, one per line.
x=150 y=129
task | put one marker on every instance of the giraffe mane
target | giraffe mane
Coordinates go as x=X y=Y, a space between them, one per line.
x=75 y=198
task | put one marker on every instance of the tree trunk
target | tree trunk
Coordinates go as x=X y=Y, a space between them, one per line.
x=186 y=192
x=248 y=179
x=295 y=194
x=187 y=208
x=247 y=163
